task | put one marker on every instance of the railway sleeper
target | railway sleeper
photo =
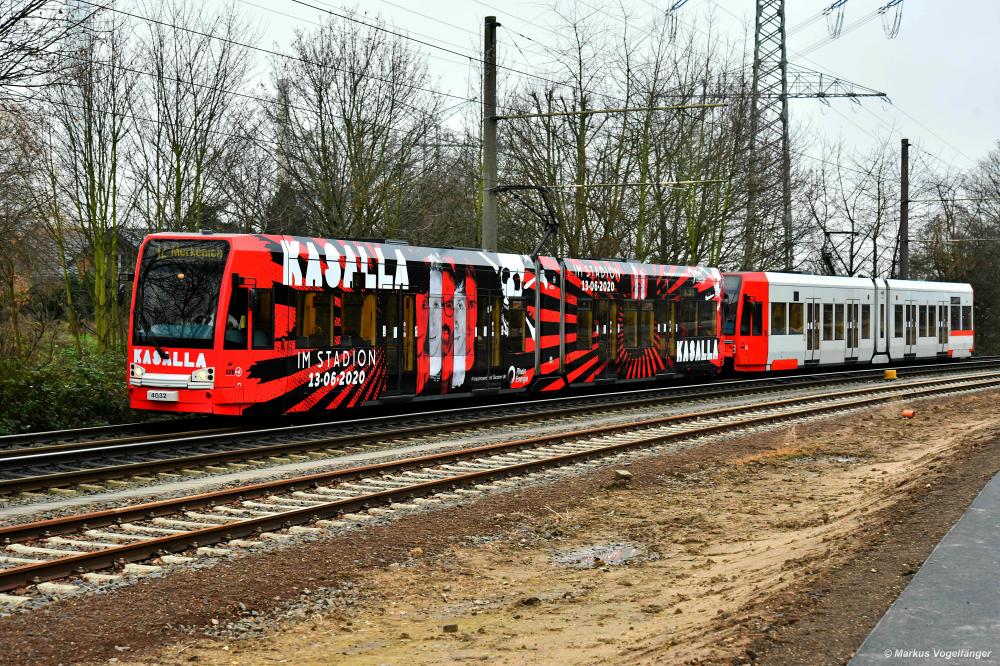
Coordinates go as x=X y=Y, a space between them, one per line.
x=310 y=496
x=290 y=501
x=187 y=524
x=78 y=543
x=116 y=536
x=149 y=530
x=243 y=512
x=38 y=550
x=209 y=517
x=275 y=505
x=388 y=482
x=6 y=559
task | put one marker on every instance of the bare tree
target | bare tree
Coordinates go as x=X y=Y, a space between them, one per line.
x=960 y=240
x=657 y=185
x=187 y=113
x=91 y=106
x=359 y=107
x=20 y=270
x=32 y=39
x=853 y=203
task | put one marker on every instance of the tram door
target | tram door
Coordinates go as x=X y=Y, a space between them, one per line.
x=942 y=327
x=398 y=342
x=910 y=340
x=812 y=330
x=512 y=340
x=486 y=368
x=606 y=323
x=853 y=328
x=666 y=337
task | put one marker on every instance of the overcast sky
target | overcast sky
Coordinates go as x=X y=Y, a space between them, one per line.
x=940 y=71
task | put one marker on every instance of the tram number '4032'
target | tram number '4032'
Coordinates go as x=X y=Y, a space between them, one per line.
x=336 y=378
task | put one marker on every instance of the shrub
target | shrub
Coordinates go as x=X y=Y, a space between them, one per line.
x=64 y=393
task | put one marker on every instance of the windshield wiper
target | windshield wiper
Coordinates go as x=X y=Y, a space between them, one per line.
x=152 y=336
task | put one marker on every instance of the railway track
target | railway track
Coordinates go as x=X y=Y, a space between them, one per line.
x=109 y=434
x=84 y=466
x=113 y=540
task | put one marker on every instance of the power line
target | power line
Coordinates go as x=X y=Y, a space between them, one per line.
x=928 y=129
x=401 y=35
x=275 y=53
x=892 y=130
x=212 y=88
x=953 y=199
x=132 y=116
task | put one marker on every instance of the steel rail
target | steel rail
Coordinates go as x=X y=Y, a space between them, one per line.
x=96 y=444
x=167 y=425
x=632 y=399
x=20 y=575
x=97 y=474
x=160 y=439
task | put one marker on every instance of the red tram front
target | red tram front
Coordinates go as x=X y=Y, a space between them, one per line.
x=245 y=324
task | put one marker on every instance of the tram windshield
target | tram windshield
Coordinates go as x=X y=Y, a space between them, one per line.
x=178 y=292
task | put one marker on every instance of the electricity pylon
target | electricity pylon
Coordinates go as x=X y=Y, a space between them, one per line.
x=774 y=83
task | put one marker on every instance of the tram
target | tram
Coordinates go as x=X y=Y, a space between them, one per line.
x=240 y=324
x=784 y=321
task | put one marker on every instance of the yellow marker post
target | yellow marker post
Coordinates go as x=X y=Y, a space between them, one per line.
x=890 y=374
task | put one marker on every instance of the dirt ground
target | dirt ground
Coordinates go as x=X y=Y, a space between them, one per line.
x=781 y=547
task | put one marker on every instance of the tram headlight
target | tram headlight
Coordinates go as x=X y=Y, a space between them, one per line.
x=136 y=370
x=203 y=375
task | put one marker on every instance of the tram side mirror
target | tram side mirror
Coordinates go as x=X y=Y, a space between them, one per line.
x=124 y=291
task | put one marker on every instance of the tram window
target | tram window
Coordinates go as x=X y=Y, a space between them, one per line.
x=368 y=319
x=584 y=324
x=923 y=321
x=664 y=323
x=358 y=319
x=647 y=328
x=881 y=320
x=967 y=318
x=313 y=320
x=756 y=325
x=236 y=319
x=795 y=319
x=495 y=338
x=866 y=321
x=708 y=318
x=956 y=318
x=779 y=324
x=838 y=326
x=481 y=362
x=631 y=319
x=263 y=319
x=409 y=317
x=751 y=318
x=828 y=321
x=515 y=326
x=931 y=320
x=687 y=325
x=897 y=323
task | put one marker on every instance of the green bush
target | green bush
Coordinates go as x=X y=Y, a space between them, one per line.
x=65 y=393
